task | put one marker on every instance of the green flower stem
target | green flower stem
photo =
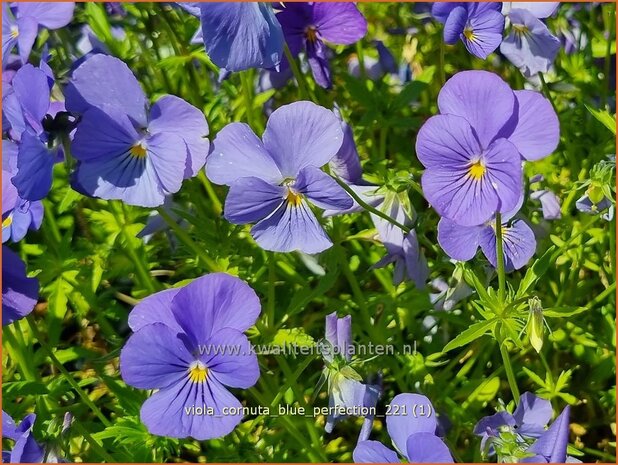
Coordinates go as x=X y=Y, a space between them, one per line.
x=368 y=207
x=508 y=368
x=500 y=259
x=300 y=79
x=272 y=276
x=247 y=91
x=360 y=53
x=186 y=239
x=60 y=367
x=142 y=272
x=212 y=195
x=547 y=92
x=93 y=443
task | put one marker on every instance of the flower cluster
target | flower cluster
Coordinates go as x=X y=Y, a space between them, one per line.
x=473 y=153
x=529 y=45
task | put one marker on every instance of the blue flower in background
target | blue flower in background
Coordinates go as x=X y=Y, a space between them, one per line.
x=478 y=25
x=239 y=35
x=530 y=46
x=22 y=20
x=412 y=427
x=25 y=449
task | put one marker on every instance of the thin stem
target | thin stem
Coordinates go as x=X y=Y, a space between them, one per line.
x=547 y=92
x=186 y=239
x=93 y=443
x=369 y=208
x=16 y=353
x=500 y=258
x=510 y=375
x=60 y=367
x=271 y=289
x=212 y=195
x=300 y=79
x=142 y=272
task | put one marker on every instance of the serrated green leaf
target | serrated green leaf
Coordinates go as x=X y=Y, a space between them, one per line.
x=474 y=332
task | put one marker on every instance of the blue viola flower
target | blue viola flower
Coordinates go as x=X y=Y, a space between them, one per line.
x=19 y=292
x=273 y=180
x=478 y=25
x=237 y=35
x=22 y=20
x=126 y=149
x=25 y=449
x=38 y=125
x=412 y=427
x=346 y=391
x=530 y=46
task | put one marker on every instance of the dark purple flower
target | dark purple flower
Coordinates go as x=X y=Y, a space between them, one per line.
x=25 y=449
x=241 y=35
x=478 y=25
x=412 y=427
x=271 y=179
x=126 y=149
x=529 y=45
x=528 y=420
x=472 y=151
x=21 y=22
x=19 y=292
x=188 y=343
x=307 y=25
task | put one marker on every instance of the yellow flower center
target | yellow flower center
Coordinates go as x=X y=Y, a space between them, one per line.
x=14 y=32
x=477 y=170
x=520 y=29
x=293 y=198
x=7 y=221
x=468 y=33
x=198 y=372
x=138 y=150
x=311 y=33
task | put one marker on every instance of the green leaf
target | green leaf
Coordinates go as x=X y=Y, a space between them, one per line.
x=474 y=332
x=561 y=312
x=534 y=377
x=486 y=391
x=293 y=336
x=605 y=118
x=23 y=388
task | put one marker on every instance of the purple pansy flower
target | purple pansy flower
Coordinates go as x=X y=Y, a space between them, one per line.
x=126 y=149
x=402 y=249
x=462 y=242
x=239 y=36
x=550 y=203
x=585 y=205
x=188 y=343
x=307 y=25
x=18 y=215
x=21 y=22
x=25 y=449
x=412 y=428
x=271 y=179
x=540 y=10
x=551 y=446
x=346 y=391
x=478 y=25
x=37 y=124
x=19 y=292
x=529 y=45
x=472 y=151
x=528 y=420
